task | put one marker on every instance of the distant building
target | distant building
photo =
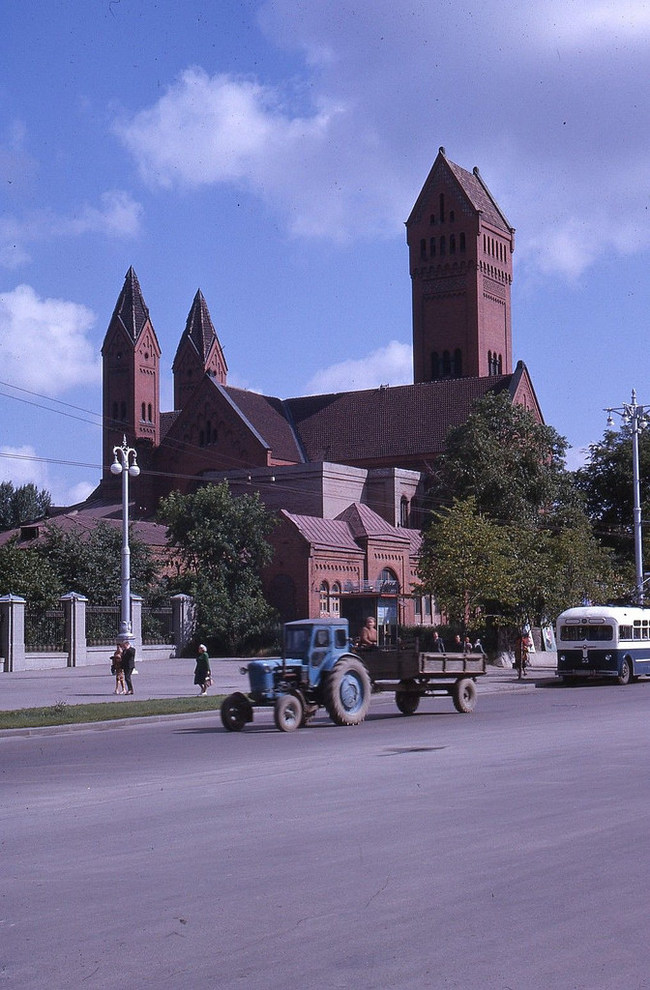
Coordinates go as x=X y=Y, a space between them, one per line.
x=345 y=471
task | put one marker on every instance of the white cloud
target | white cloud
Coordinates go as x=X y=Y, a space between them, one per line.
x=119 y=215
x=390 y=365
x=44 y=343
x=20 y=466
x=547 y=99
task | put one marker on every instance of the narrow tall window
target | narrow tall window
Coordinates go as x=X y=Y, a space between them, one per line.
x=452 y=244
x=435 y=366
x=446 y=364
x=324 y=598
x=462 y=243
x=144 y=412
x=442 y=246
x=423 y=248
x=458 y=363
x=432 y=247
x=442 y=207
x=149 y=415
x=404 y=511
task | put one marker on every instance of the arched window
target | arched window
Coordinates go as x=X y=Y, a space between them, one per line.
x=489 y=362
x=446 y=364
x=388 y=580
x=442 y=207
x=404 y=511
x=452 y=244
x=149 y=413
x=144 y=412
x=324 y=598
x=458 y=363
x=462 y=243
x=435 y=366
x=423 y=248
x=442 y=246
x=432 y=247
x=335 y=599
x=500 y=366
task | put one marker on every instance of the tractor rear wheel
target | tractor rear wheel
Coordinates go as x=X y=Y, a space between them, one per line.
x=288 y=712
x=347 y=692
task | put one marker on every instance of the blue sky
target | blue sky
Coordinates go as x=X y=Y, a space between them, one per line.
x=269 y=154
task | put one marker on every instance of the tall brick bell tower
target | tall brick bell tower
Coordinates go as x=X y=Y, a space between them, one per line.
x=131 y=380
x=460 y=258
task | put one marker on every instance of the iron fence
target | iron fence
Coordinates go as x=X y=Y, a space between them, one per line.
x=45 y=631
x=102 y=625
x=157 y=626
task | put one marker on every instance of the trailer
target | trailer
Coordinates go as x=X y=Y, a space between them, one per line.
x=321 y=668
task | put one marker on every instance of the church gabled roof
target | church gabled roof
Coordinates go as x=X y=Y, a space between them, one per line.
x=365 y=523
x=199 y=330
x=130 y=309
x=472 y=185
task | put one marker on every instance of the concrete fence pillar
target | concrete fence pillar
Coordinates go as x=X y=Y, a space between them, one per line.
x=74 y=610
x=12 y=632
x=183 y=621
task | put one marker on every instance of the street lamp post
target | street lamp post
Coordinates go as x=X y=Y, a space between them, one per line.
x=125 y=463
x=637 y=418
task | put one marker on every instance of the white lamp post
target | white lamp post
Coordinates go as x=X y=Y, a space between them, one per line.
x=125 y=463
x=637 y=418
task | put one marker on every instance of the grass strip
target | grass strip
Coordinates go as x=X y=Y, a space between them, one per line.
x=64 y=714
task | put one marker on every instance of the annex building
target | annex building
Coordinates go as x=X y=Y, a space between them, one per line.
x=346 y=472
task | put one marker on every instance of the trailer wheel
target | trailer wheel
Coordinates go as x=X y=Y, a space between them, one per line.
x=406 y=700
x=347 y=692
x=626 y=672
x=288 y=712
x=464 y=695
x=235 y=712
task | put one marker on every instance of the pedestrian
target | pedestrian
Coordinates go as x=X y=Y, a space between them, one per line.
x=458 y=644
x=128 y=663
x=478 y=648
x=467 y=645
x=118 y=670
x=438 y=645
x=202 y=672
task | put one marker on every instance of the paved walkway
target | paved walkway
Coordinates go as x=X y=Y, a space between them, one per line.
x=174 y=679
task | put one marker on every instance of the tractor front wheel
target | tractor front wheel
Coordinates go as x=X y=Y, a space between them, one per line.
x=288 y=713
x=236 y=711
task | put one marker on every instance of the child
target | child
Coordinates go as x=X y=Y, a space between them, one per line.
x=116 y=660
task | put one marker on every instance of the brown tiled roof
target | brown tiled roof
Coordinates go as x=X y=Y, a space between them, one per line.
x=480 y=196
x=85 y=519
x=386 y=422
x=328 y=534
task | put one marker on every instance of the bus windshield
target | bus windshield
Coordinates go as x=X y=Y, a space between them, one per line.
x=573 y=634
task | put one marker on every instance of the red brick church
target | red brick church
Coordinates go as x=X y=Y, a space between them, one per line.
x=347 y=471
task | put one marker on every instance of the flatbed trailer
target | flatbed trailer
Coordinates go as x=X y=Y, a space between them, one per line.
x=413 y=675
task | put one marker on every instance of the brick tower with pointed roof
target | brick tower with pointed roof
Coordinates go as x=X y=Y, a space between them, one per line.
x=199 y=353
x=460 y=258
x=131 y=376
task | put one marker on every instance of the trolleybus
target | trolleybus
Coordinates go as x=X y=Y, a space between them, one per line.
x=603 y=641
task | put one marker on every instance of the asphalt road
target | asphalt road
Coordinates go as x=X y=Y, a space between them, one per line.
x=501 y=850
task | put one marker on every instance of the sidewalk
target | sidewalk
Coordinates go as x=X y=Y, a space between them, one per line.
x=174 y=679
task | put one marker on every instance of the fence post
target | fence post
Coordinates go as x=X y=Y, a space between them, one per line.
x=183 y=621
x=12 y=632
x=136 y=621
x=74 y=608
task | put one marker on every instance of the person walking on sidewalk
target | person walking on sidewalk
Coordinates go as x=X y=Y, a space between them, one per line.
x=202 y=672
x=128 y=664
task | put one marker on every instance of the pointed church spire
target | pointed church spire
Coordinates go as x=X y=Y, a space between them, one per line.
x=131 y=309
x=199 y=352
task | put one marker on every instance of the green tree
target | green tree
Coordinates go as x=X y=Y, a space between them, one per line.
x=21 y=505
x=466 y=562
x=606 y=484
x=90 y=563
x=223 y=544
x=509 y=463
x=28 y=574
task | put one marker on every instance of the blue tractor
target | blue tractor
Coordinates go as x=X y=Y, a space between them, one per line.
x=317 y=669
